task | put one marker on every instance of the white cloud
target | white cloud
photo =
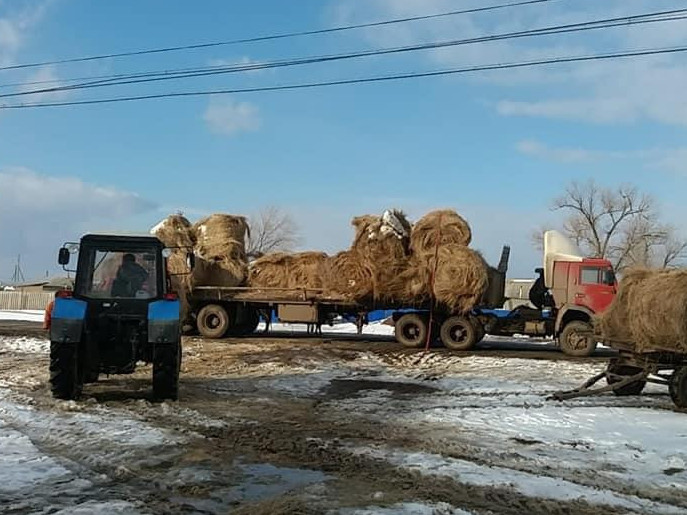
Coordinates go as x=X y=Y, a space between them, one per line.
x=618 y=91
x=672 y=160
x=229 y=117
x=244 y=61
x=46 y=78
x=15 y=23
x=39 y=212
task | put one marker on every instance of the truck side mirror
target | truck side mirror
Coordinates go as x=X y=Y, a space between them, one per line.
x=64 y=256
x=190 y=260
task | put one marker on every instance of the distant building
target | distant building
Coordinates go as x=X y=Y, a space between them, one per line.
x=46 y=285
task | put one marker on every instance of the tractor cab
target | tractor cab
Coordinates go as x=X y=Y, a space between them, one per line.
x=119 y=313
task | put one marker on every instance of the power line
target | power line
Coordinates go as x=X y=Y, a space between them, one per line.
x=155 y=76
x=271 y=37
x=384 y=78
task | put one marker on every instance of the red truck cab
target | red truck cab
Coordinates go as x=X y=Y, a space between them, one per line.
x=580 y=288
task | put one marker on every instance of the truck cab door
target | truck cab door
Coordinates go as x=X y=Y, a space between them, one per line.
x=593 y=286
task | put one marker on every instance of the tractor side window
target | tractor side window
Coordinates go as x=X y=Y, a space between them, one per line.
x=590 y=276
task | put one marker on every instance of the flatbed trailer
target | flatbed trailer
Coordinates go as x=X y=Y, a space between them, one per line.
x=629 y=372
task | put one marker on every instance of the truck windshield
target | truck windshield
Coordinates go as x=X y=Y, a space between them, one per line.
x=117 y=274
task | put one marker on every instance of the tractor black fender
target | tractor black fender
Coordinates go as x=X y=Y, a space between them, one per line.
x=570 y=313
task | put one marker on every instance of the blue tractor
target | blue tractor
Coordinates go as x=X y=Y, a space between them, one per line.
x=121 y=312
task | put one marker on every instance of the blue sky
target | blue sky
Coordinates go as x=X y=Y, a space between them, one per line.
x=495 y=146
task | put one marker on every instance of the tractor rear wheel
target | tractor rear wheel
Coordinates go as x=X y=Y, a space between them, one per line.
x=577 y=339
x=66 y=381
x=458 y=333
x=678 y=387
x=621 y=371
x=411 y=330
x=213 y=321
x=166 y=367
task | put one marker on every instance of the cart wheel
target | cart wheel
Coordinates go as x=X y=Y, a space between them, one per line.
x=678 y=387
x=577 y=339
x=213 y=321
x=411 y=330
x=616 y=369
x=480 y=333
x=458 y=333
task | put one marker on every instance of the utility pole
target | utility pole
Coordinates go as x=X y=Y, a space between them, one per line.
x=18 y=275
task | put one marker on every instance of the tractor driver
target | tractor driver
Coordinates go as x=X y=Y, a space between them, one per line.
x=130 y=277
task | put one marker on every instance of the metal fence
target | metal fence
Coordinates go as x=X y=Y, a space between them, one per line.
x=17 y=300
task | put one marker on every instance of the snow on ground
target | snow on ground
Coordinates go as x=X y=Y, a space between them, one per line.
x=24 y=344
x=530 y=485
x=412 y=508
x=374 y=328
x=22 y=316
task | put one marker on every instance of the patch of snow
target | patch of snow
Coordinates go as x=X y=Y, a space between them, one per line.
x=25 y=344
x=22 y=315
x=105 y=508
x=530 y=485
x=410 y=508
x=375 y=328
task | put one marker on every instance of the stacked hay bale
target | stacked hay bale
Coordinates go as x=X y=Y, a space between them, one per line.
x=176 y=233
x=220 y=250
x=282 y=270
x=345 y=276
x=649 y=312
x=442 y=266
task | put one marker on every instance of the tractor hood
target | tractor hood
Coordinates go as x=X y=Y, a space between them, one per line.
x=558 y=247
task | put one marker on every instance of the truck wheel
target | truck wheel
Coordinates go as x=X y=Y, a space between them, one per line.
x=577 y=339
x=251 y=321
x=66 y=381
x=625 y=370
x=247 y=320
x=411 y=330
x=166 y=367
x=458 y=333
x=678 y=387
x=213 y=321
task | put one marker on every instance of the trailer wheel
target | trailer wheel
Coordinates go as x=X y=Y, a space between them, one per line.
x=624 y=370
x=213 y=321
x=458 y=333
x=411 y=330
x=66 y=380
x=251 y=322
x=247 y=320
x=166 y=367
x=678 y=387
x=577 y=339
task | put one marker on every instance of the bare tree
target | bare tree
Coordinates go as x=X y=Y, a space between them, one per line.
x=620 y=224
x=271 y=230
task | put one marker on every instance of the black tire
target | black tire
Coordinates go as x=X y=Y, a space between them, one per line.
x=411 y=330
x=90 y=361
x=166 y=367
x=577 y=339
x=678 y=387
x=458 y=333
x=246 y=322
x=213 y=321
x=66 y=381
x=624 y=370
x=251 y=322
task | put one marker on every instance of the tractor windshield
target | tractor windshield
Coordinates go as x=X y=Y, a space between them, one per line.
x=105 y=273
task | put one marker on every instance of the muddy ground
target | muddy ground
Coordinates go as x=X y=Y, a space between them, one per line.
x=337 y=425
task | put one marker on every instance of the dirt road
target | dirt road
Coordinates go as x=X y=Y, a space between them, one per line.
x=301 y=425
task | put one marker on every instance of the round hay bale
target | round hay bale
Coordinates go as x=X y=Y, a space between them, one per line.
x=219 y=272
x=650 y=311
x=175 y=231
x=346 y=276
x=381 y=245
x=445 y=224
x=221 y=235
x=614 y=324
x=282 y=270
x=460 y=281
